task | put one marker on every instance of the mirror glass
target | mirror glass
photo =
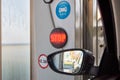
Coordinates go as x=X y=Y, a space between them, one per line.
x=68 y=61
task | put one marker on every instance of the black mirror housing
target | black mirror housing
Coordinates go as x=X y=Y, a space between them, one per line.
x=71 y=61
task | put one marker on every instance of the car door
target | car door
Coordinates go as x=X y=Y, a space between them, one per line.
x=109 y=66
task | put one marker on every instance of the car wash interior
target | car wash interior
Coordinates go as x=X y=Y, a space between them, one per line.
x=59 y=40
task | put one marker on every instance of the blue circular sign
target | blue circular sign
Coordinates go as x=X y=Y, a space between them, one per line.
x=63 y=9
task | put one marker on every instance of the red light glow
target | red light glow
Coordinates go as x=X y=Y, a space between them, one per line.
x=58 y=37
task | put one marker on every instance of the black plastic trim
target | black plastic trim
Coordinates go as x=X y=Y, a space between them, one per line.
x=109 y=63
x=85 y=68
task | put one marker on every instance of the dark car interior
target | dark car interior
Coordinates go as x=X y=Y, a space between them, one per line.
x=109 y=66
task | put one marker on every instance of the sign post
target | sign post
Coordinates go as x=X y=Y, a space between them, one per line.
x=59 y=17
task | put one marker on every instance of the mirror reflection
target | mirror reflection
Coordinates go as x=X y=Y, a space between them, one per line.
x=69 y=61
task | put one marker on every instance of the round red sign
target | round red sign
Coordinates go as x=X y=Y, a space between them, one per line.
x=58 y=37
x=42 y=61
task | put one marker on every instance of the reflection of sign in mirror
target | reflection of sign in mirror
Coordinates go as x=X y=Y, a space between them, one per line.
x=58 y=37
x=72 y=60
x=68 y=61
x=42 y=61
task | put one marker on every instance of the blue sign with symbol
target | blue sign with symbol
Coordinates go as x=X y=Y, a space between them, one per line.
x=63 y=9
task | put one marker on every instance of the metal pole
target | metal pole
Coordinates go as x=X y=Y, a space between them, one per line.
x=78 y=28
x=96 y=34
x=31 y=37
x=0 y=44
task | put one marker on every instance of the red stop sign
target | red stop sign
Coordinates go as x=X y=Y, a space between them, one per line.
x=58 y=37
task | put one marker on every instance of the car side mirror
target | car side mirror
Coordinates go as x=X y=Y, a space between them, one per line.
x=71 y=61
